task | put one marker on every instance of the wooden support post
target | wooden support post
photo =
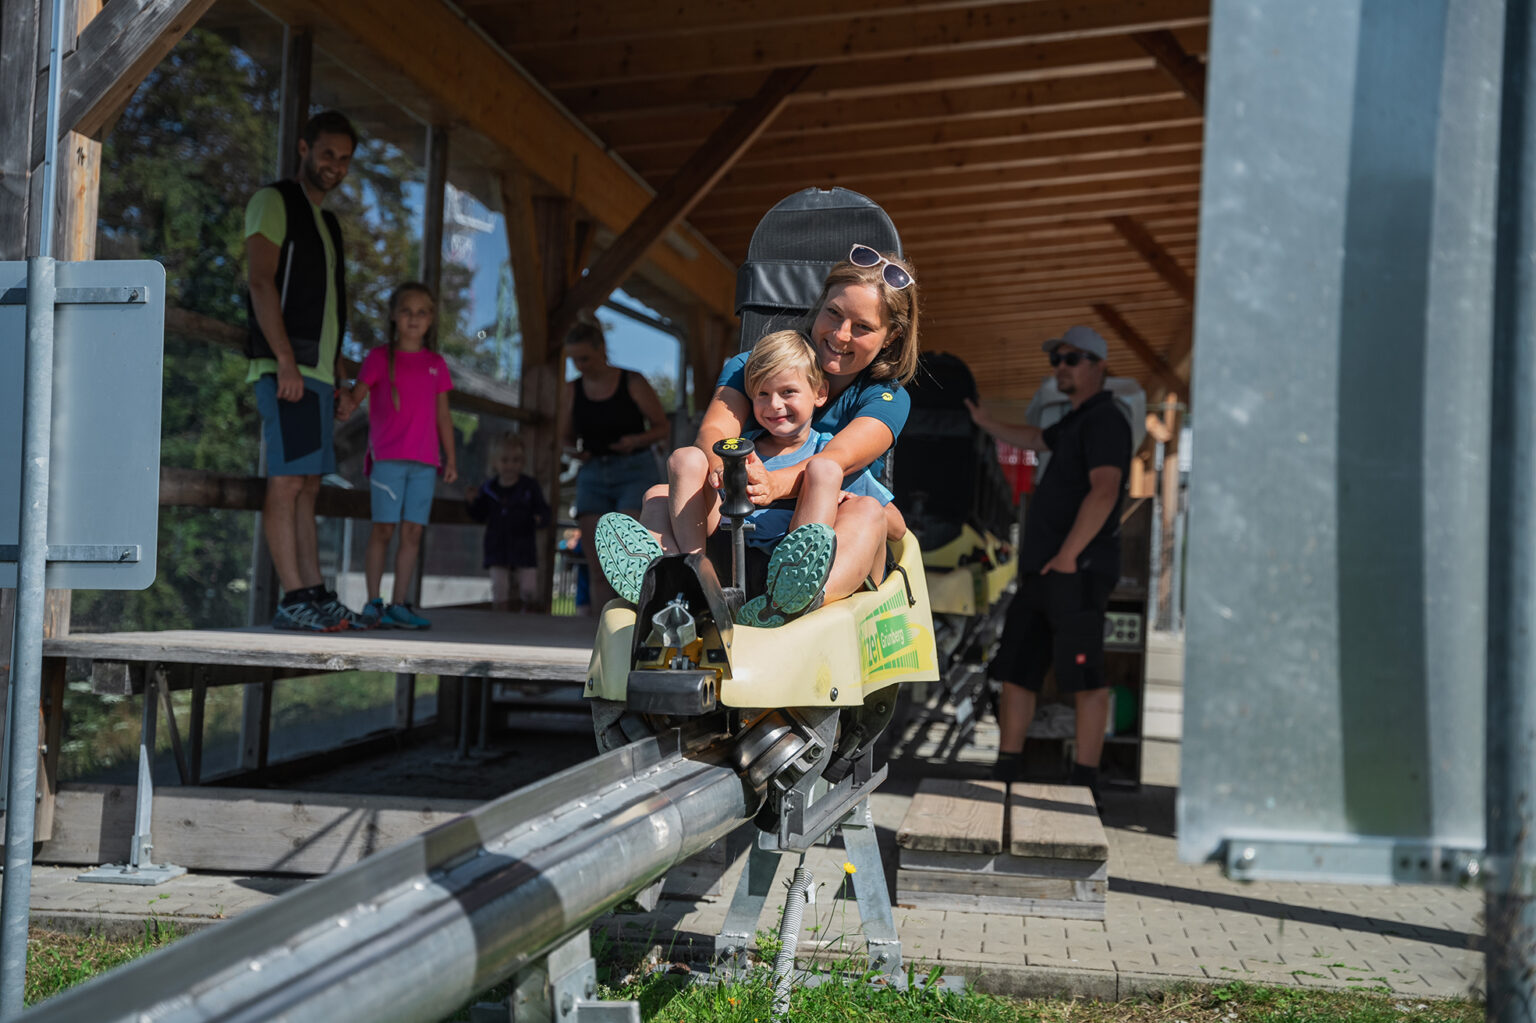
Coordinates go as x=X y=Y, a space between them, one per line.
x=293 y=97
x=1183 y=67
x=678 y=196
x=51 y=735
x=539 y=240
x=20 y=33
x=256 y=726
x=1170 y=507
x=405 y=701
x=195 y=725
x=1140 y=346
x=1156 y=256
x=432 y=220
x=182 y=772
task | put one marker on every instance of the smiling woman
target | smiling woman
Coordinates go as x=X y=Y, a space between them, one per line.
x=864 y=334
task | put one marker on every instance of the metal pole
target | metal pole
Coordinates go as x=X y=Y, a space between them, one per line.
x=51 y=144
x=27 y=659
x=1511 y=703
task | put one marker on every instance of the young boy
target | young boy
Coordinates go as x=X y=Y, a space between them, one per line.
x=786 y=386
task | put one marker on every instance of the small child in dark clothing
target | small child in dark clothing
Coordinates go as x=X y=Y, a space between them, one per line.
x=512 y=506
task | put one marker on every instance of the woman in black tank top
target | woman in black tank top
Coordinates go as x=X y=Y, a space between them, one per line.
x=616 y=416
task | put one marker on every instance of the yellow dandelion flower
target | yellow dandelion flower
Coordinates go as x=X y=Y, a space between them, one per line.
x=849 y=868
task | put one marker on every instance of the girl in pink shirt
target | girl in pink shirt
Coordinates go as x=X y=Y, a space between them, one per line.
x=410 y=439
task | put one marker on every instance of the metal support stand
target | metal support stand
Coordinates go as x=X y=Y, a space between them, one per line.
x=141 y=868
x=562 y=988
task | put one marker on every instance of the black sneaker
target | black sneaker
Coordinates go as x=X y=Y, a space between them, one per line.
x=341 y=616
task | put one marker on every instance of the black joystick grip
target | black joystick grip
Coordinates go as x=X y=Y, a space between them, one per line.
x=733 y=451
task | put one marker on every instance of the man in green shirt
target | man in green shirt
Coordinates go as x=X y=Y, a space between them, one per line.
x=297 y=316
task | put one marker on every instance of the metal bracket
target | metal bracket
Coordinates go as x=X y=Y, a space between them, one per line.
x=82 y=296
x=562 y=988
x=112 y=553
x=1361 y=861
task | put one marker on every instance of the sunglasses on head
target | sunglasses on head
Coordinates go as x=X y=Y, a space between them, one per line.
x=895 y=276
x=1071 y=358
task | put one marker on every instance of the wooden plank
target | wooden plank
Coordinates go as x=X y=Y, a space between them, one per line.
x=954 y=815
x=1057 y=821
x=198 y=488
x=1140 y=239
x=1142 y=348
x=533 y=647
x=111 y=57
x=476 y=85
x=961 y=883
x=678 y=196
x=901 y=34
x=1002 y=865
x=240 y=830
x=1183 y=67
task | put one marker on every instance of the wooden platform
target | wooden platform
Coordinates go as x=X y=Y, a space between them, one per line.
x=486 y=644
x=1030 y=850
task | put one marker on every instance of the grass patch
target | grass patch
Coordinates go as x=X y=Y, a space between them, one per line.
x=58 y=961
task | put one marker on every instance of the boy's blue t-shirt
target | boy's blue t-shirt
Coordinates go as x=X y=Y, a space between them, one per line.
x=885 y=400
x=772 y=523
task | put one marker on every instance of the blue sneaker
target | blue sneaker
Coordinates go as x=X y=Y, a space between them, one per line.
x=797 y=577
x=372 y=615
x=625 y=549
x=304 y=617
x=400 y=616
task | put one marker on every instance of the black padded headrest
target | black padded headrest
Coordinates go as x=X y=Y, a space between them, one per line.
x=794 y=246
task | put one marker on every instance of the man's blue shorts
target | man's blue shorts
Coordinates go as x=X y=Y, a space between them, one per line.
x=298 y=433
x=402 y=490
x=610 y=483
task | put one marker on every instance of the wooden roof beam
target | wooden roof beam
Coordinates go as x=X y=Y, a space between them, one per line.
x=1140 y=239
x=867 y=79
x=1133 y=340
x=678 y=196
x=1182 y=66
x=111 y=56
x=895 y=33
x=465 y=76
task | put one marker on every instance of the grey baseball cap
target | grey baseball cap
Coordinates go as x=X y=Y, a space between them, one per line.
x=1084 y=339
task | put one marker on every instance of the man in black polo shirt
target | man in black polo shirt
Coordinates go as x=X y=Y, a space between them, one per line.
x=1069 y=558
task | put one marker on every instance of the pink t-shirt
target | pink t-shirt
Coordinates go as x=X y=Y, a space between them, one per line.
x=410 y=431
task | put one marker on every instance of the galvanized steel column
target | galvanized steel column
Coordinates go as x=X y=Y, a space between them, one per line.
x=1511 y=707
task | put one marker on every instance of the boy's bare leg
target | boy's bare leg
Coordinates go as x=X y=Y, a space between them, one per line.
x=693 y=509
x=860 y=528
x=821 y=488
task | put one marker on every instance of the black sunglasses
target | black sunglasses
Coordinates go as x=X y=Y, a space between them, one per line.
x=895 y=276
x=1072 y=358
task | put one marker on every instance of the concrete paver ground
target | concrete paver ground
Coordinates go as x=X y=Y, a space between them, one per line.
x=1166 y=921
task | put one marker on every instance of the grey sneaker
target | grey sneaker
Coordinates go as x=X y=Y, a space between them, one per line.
x=625 y=549
x=304 y=617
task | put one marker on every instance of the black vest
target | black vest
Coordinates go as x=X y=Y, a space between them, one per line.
x=300 y=280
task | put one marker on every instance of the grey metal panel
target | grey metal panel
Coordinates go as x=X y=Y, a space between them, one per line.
x=1338 y=506
x=108 y=373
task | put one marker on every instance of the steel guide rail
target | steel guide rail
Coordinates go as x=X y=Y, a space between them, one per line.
x=409 y=933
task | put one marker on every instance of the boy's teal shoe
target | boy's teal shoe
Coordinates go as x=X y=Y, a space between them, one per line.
x=625 y=549
x=797 y=576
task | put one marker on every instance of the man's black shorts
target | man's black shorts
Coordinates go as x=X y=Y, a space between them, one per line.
x=1055 y=619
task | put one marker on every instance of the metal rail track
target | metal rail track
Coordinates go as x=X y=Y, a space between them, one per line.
x=418 y=929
